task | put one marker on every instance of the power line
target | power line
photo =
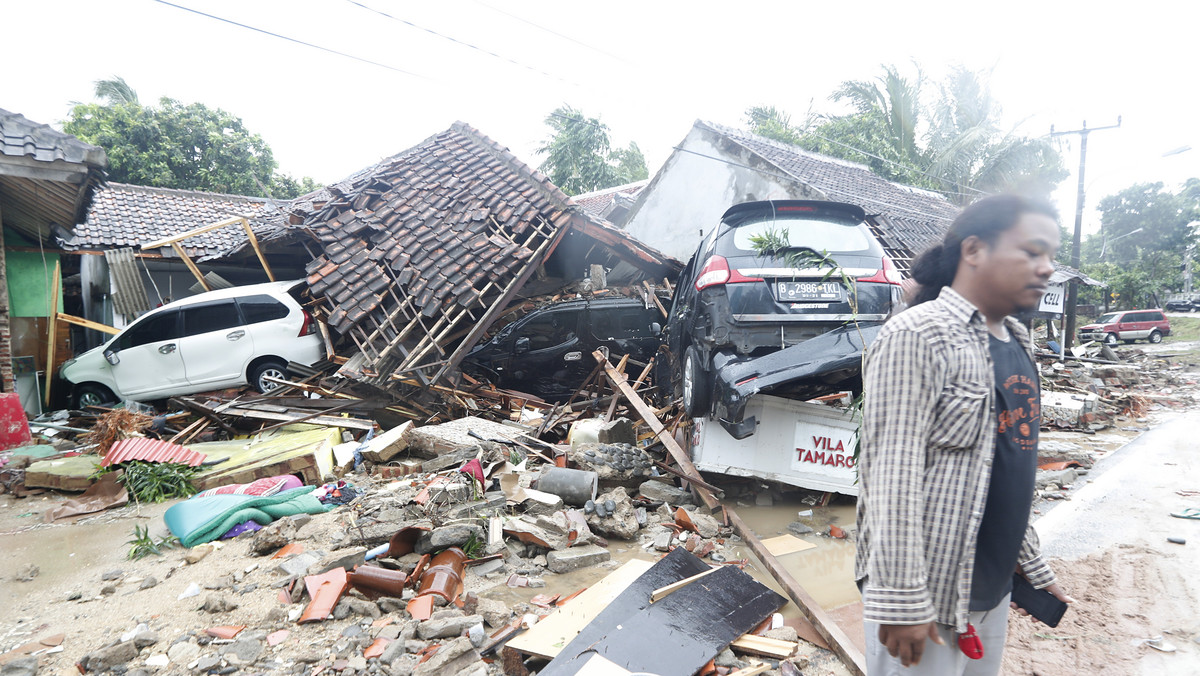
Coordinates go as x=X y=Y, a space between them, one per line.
x=291 y=39
x=460 y=42
x=956 y=184
x=553 y=32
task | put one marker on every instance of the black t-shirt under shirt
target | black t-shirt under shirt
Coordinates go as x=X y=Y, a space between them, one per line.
x=1014 y=469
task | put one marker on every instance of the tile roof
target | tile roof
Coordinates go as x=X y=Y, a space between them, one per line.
x=22 y=137
x=597 y=201
x=910 y=219
x=124 y=215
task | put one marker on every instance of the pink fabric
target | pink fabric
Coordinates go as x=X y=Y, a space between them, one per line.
x=261 y=487
x=475 y=469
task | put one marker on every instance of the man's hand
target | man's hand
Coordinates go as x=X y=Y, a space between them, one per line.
x=1055 y=590
x=907 y=641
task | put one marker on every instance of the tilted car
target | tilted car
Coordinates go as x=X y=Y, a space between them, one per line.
x=548 y=352
x=1128 y=325
x=746 y=319
x=224 y=338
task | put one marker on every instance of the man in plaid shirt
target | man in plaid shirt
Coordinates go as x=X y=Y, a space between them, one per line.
x=949 y=446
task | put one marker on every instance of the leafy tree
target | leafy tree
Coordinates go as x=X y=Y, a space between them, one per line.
x=176 y=145
x=954 y=145
x=580 y=158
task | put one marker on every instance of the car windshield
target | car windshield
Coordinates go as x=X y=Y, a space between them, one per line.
x=1108 y=318
x=822 y=235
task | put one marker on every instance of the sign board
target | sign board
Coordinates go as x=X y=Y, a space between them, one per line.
x=796 y=442
x=1054 y=299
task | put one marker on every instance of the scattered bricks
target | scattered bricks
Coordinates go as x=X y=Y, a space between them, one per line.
x=576 y=557
x=107 y=658
x=456 y=657
x=298 y=565
x=388 y=445
x=269 y=538
x=447 y=623
x=664 y=492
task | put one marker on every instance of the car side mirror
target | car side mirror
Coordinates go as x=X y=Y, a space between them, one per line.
x=521 y=346
x=655 y=328
x=111 y=357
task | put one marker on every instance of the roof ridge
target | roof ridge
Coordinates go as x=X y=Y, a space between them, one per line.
x=539 y=180
x=186 y=191
x=787 y=147
x=615 y=188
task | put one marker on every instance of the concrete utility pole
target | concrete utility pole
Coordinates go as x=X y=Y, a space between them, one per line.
x=1073 y=285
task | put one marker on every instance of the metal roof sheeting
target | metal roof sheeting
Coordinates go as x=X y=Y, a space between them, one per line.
x=151 y=450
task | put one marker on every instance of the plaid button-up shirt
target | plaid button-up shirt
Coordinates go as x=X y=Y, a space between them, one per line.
x=928 y=438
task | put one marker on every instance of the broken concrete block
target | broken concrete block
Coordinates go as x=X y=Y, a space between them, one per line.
x=297 y=565
x=107 y=658
x=342 y=558
x=446 y=623
x=448 y=536
x=561 y=561
x=665 y=492
x=271 y=537
x=495 y=613
x=388 y=445
x=662 y=540
x=456 y=657
x=619 y=518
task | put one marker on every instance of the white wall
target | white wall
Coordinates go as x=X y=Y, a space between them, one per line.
x=706 y=175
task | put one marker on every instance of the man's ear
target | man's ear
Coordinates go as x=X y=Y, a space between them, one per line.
x=973 y=249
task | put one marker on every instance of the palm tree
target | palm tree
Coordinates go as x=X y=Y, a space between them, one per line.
x=116 y=91
x=897 y=99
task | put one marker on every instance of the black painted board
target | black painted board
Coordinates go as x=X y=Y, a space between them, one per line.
x=675 y=566
x=680 y=633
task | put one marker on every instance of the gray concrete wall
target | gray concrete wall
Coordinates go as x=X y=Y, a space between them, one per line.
x=705 y=175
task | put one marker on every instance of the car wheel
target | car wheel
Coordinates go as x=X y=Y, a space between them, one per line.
x=696 y=388
x=1110 y=339
x=91 y=395
x=267 y=369
x=1155 y=337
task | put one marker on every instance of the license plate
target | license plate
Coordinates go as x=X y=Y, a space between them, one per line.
x=808 y=291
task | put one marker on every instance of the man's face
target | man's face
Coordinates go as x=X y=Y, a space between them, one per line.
x=1016 y=269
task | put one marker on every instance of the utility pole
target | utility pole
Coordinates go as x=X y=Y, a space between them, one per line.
x=1073 y=285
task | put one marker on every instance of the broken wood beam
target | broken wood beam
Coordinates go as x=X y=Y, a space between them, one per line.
x=87 y=323
x=662 y=592
x=763 y=646
x=205 y=411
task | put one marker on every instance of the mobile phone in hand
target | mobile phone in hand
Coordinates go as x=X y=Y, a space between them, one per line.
x=1041 y=604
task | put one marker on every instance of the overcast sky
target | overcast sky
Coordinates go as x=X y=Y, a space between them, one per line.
x=648 y=69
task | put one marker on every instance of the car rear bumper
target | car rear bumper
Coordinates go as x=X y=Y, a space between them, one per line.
x=828 y=363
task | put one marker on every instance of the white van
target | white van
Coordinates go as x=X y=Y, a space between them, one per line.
x=224 y=338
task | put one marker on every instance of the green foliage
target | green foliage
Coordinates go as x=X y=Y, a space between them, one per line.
x=177 y=145
x=143 y=544
x=157 y=481
x=1141 y=267
x=953 y=145
x=580 y=158
x=473 y=547
x=777 y=244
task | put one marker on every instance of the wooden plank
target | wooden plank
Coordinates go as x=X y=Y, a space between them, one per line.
x=661 y=592
x=173 y=239
x=54 y=281
x=786 y=544
x=187 y=260
x=766 y=647
x=549 y=636
x=257 y=251
x=87 y=323
x=751 y=671
x=656 y=426
x=654 y=297
x=326 y=421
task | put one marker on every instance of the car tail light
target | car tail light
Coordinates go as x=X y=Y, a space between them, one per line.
x=716 y=271
x=886 y=274
x=309 y=326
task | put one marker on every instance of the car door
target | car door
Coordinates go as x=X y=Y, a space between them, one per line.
x=548 y=354
x=626 y=330
x=148 y=357
x=215 y=345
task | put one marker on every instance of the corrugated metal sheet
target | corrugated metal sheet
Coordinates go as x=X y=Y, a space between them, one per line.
x=151 y=450
x=129 y=294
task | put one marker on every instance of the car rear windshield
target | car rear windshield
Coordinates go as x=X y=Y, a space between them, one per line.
x=819 y=234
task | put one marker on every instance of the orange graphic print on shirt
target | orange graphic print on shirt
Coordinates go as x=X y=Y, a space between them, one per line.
x=1021 y=423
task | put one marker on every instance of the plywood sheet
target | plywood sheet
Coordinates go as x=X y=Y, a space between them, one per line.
x=552 y=633
x=678 y=634
x=786 y=544
x=306 y=451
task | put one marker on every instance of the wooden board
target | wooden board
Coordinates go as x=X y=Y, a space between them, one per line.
x=678 y=634
x=786 y=544
x=308 y=454
x=552 y=633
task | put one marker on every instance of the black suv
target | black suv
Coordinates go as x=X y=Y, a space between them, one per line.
x=744 y=322
x=548 y=352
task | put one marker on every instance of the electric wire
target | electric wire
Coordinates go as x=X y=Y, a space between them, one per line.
x=553 y=32
x=291 y=39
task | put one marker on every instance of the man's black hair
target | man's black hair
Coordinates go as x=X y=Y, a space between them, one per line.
x=985 y=219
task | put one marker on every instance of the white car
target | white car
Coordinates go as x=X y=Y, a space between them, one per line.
x=224 y=338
